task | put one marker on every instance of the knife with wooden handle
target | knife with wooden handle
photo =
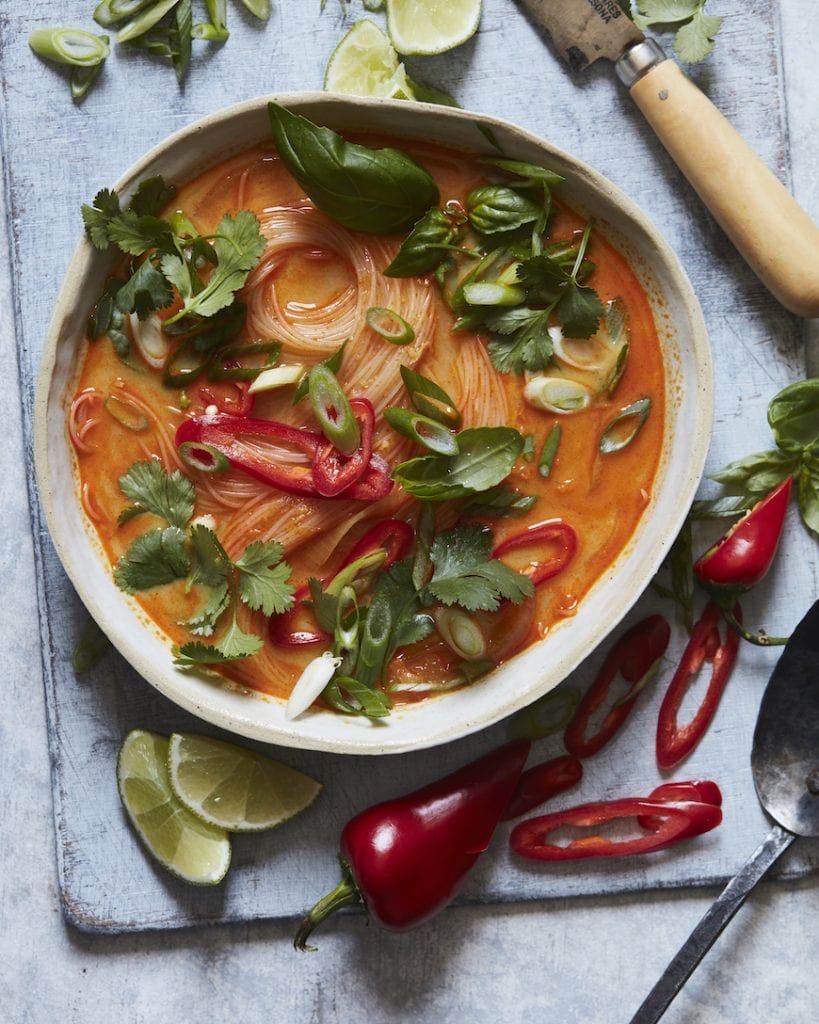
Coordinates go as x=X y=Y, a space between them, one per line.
x=774 y=235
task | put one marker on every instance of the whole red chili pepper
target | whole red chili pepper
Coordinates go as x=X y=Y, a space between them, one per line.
x=674 y=821
x=634 y=657
x=674 y=742
x=744 y=555
x=549 y=533
x=405 y=859
x=541 y=782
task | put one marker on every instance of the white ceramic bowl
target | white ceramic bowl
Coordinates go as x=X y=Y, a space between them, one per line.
x=537 y=669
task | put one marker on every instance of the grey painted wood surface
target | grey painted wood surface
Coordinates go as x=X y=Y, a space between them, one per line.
x=757 y=348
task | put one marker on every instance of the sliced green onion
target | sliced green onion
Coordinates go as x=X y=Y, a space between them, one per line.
x=493 y=293
x=460 y=633
x=82 y=79
x=310 y=684
x=216 y=30
x=184 y=365
x=218 y=371
x=111 y=11
x=259 y=8
x=374 y=643
x=423 y=429
x=277 y=377
x=346 y=635
x=556 y=394
x=349 y=575
x=624 y=427
x=72 y=46
x=333 y=363
x=498 y=503
x=203 y=457
x=617 y=370
x=430 y=399
x=391 y=326
x=332 y=410
x=549 y=450
x=342 y=691
x=548 y=715
x=126 y=413
x=145 y=20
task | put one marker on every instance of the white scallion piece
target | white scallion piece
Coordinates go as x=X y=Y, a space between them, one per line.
x=150 y=340
x=461 y=633
x=310 y=684
x=556 y=394
x=277 y=377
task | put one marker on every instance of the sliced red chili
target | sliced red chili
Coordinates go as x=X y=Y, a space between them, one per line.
x=233 y=398
x=395 y=536
x=676 y=821
x=334 y=472
x=223 y=432
x=285 y=630
x=634 y=658
x=674 y=742
x=541 y=782
x=693 y=791
x=555 y=535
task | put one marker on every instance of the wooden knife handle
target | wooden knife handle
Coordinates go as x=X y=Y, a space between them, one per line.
x=772 y=232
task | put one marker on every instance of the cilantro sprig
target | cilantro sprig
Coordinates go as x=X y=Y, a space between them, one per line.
x=170 y=260
x=181 y=550
x=694 y=30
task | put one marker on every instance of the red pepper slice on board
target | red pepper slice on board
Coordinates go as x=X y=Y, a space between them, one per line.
x=674 y=742
x=688 y=791
x=395 y=536
x=675 y=821
x=634 y=657
x=405 y=859
x=554 y=533
x=744 y=555
x=541 y=782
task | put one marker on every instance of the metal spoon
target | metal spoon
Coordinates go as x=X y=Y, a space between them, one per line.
x=785 y=765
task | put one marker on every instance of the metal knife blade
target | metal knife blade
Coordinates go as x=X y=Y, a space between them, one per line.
x=584 y=30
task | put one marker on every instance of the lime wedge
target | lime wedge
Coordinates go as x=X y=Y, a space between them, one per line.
x=235 y=788
x=363 y=63
x=181 y=842
x=431 y=26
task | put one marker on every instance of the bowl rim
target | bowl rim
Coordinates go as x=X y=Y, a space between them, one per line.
x=231 y=707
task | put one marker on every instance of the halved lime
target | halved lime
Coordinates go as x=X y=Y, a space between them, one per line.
x=431 y=26
x=188 y=847
x=363 y=63
x=235 y=788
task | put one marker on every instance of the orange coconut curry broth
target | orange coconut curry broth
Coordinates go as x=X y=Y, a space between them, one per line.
x=310 y=293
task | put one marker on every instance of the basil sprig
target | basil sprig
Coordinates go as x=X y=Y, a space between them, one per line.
x=377 y=190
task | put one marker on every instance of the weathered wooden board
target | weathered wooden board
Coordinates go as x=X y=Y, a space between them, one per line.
x=56 y=156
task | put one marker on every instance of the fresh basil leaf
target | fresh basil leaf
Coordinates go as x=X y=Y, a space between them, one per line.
x=728 y=507
x=794 y=416
x=424 y=247
x=496 y=208
x=808 y=493
x=531 y=172
x=377 y=190
x=486 y=457
x=758 y=473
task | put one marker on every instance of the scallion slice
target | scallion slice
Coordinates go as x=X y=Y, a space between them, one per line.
x=72 y=46
x=426 y=431
x=109 y=12
x=625 y=426
x=430 y=399
x=391 y=326
x=556 y=394
x=203 y=457
x=460 y=633
x=549 y=450
x=493 y=293
x=126 y=413
x=145 y=19
x=332 y=410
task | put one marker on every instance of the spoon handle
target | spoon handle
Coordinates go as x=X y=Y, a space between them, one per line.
x=711 y=925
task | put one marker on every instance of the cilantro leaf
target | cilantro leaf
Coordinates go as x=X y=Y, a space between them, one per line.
x=99 y=215
x=238 y=245
x=466 y=574
x=151 y=196
x=695 y=30
x=144 y=292
x=263 y=578
x=136 y=234
x=168 y=495
x=579 y=310
x=154 y=558
x=211 y=565
x=694 y=41
x=204 y=622
x=522 y=340
x=232 y=644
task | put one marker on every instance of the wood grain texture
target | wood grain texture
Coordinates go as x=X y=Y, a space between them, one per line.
x=57 y=156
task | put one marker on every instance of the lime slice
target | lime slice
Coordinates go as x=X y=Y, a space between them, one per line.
x=363 y=63
x=235 y=788
x=431 y=26
x=188 y=847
